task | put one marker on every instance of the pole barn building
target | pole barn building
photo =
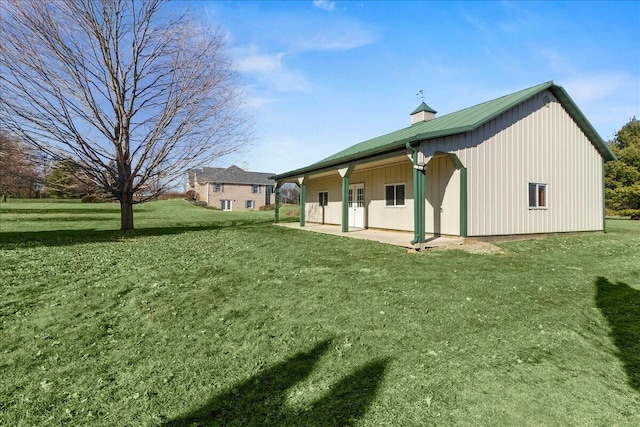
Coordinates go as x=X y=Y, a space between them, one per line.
x=526 y=163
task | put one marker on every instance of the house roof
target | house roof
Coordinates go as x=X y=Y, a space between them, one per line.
x=231 y=175
x=458 y=122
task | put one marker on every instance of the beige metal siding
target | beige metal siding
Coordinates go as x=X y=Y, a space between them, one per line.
x=333 y=211
x=442 y=190
x=377 y=215
x=534 y=142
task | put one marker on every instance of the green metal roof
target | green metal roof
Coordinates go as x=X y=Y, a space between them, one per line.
x=458 y=122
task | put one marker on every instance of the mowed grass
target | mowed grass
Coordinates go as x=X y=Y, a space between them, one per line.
x=220 y=318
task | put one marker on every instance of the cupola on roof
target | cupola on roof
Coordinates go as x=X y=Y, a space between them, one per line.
x=422 y=114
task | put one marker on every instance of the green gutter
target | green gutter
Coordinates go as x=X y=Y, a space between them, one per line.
x=330 y=165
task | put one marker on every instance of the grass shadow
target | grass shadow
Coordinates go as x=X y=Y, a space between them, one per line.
x=68 y=237
x=620 y=305
x=261 y=400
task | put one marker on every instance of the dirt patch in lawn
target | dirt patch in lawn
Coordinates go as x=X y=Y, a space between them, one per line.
x=468 y=245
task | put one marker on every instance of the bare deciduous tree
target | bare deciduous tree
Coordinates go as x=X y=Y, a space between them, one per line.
x=133 y=96
x=290 y=193
x=20 y=171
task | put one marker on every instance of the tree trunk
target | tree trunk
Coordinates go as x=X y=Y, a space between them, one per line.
x=126 y=212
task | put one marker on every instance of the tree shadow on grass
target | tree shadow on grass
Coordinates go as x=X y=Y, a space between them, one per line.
x=28 y=239
x=71 y=210
x=261 y=400
x=620 y=305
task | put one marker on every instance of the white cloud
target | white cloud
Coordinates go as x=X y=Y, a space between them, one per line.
x=249 y=60
x=267 y=70
x=269 y=53
x=338 y=35
x=596 y=87
x=556 y=61
x=324 y=4
x=607 y=99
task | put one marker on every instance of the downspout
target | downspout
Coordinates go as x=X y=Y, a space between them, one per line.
x=418 y=199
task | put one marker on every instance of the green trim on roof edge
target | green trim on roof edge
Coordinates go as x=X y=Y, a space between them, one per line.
x=462 y=121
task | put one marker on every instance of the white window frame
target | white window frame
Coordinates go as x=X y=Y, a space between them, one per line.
x=218 y=187
x=326 y=200
x=536 y=186
x=255 y=189
x=226 y=204
x=250 y=204
x=395 y=185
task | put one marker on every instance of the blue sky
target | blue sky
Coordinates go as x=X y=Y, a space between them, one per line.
x=320 y=76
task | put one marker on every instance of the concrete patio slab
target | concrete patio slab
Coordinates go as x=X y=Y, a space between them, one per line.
x=389 y=237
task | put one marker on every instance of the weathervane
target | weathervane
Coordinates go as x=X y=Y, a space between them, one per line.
x=421 y=94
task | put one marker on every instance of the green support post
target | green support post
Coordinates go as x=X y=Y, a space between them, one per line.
x=277 y=202
x=604 y=202
x=345 y=203
x=303 y=190
x=463 y=202
x=419 y=207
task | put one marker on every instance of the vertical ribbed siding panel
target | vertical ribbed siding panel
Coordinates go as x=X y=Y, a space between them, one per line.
x=537 y=143
x=381 y=216
x=333 y=212
x=442 y=191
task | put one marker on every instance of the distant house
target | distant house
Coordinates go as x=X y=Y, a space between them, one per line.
x=231 y=189
x=526 y=163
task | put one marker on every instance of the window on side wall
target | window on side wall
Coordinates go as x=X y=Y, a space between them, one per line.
x=537 y=195
x=218 y=188
x=394 y=195
x=323 y=198
x=250 y=204
x=255 y=189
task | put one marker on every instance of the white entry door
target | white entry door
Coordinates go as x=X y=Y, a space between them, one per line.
x=356 y=205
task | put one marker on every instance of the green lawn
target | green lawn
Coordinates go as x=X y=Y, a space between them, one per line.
x=218 y=318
